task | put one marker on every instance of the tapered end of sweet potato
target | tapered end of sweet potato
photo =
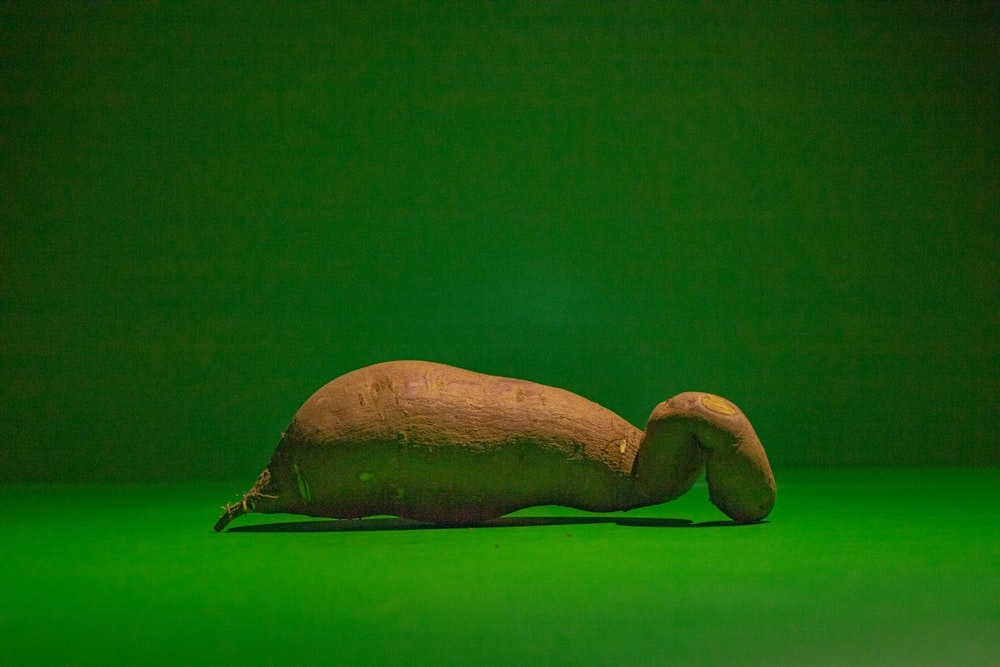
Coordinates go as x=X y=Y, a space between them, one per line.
x=248 y=503
x=231 y=512
x=740 y=481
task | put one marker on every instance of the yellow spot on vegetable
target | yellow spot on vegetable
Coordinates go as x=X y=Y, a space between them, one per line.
x=718 y=404
x=622 y=447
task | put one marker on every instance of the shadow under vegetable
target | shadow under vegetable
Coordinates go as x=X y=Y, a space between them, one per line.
x=393 y=523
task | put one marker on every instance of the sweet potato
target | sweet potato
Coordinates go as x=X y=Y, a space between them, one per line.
x=430 y=442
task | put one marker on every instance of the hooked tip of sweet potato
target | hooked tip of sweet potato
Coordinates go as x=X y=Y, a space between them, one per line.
x=743 y=510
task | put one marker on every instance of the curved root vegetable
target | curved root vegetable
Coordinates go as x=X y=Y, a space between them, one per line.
x=435 y=443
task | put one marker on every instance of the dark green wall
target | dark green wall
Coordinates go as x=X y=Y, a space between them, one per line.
x=209 y=211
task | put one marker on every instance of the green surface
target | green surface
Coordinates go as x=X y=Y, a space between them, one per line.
x=859 y=567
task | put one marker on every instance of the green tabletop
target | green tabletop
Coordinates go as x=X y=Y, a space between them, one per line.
x=862 y=566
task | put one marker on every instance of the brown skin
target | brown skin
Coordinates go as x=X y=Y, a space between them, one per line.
x=440 y=444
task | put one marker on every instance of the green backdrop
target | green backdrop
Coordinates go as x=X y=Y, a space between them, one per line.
x=208 y=211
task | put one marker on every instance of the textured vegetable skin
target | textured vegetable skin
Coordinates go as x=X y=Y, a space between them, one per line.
x=440 y=444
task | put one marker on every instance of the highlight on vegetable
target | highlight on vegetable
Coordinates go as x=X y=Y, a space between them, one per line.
x=439 y=444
